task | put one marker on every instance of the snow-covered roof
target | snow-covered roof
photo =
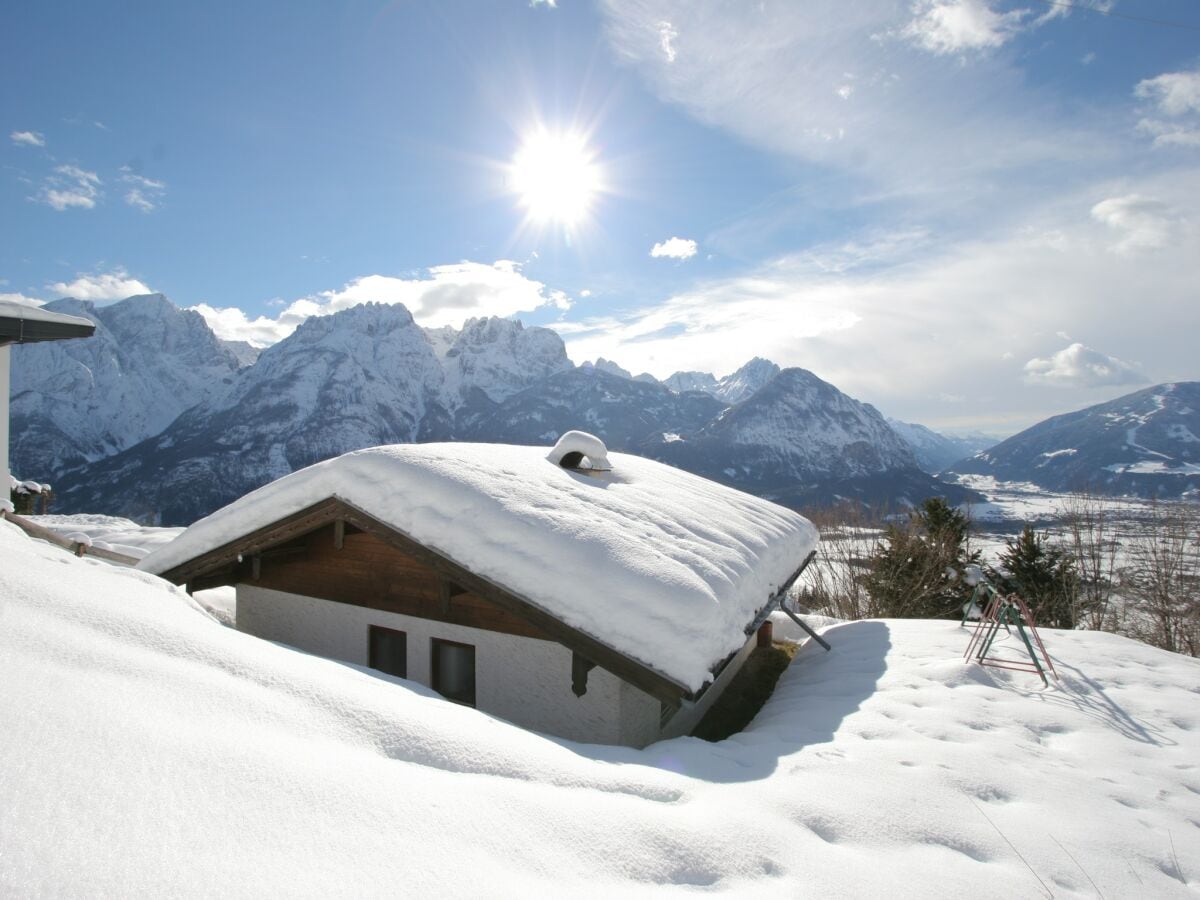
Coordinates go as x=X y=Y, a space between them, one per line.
x=663 y=566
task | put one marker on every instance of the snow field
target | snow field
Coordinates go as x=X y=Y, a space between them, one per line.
x=147 y=750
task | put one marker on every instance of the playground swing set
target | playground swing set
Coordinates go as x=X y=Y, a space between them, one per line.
x=998 y=611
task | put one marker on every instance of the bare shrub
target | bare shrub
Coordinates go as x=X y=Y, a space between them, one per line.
x=1162 y=581
x=1091 y=541
x=833 y=582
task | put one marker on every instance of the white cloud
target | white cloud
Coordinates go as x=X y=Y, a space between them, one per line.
x=666 y=40
x=1175 y=96
x=70 y=186
x=1143 y=223
x=954 y=26
x=144 y=193
x=28 y=138
x=772 y=78
x=1174 y=93
x=448 y=295
x=550 y=4
x=1080 y=366
x=21 y=298
x=1167 y=134
x=114 y=285
x=231 y=324
x=674 y=248
x=951 y=317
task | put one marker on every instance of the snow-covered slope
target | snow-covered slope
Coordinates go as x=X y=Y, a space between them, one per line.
x=801 y=441
x=935 y=451
x=1145 y=444
x=81 y=400
x=149 y=751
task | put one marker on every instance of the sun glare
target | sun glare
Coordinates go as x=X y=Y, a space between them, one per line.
x=555 y=177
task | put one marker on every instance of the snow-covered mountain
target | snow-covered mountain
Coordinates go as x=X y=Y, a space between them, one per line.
x=245 y=352
x=365 y=376
x=612 y=368
x=1145 y=444
x=623 y=412
x=733 y=388
x=935 y=451
x=78 y=401
x=499 y=357
x=370 y=375
x=801 y=441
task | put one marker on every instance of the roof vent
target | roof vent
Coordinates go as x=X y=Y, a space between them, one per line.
x=577 y=447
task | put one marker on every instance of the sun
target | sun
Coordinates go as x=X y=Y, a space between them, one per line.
x=555 y=176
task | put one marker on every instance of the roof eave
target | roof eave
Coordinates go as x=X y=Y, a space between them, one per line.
x=18 y=330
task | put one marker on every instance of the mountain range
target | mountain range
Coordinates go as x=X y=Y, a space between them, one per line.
x=156 y=419
x=1144 y=444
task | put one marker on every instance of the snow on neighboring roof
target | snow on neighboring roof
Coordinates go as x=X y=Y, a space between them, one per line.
x=663 y=566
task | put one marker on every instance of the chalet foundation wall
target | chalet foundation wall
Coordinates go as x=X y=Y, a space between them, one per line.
x=524 y=680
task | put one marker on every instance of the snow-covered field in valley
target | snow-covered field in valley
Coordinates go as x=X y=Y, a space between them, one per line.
x=147 y=750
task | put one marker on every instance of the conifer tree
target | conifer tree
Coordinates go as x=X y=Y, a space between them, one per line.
x=917 y=570
x=1043 y=576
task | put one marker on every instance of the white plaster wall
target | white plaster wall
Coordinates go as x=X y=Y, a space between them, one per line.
x=689 y=717
x=5 y=353
x=524 y=680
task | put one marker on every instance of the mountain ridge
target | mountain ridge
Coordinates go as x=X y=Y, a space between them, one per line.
x=371 y=375
x=1145 y=444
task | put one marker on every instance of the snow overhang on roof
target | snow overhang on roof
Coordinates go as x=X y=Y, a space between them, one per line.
x=24 y=324
x=662 y=566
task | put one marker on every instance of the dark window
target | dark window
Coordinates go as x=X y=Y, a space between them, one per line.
x=388 y=651
x=454 y=671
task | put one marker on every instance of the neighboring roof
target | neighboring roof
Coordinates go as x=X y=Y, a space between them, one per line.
x=663 y=566
x=24 y=324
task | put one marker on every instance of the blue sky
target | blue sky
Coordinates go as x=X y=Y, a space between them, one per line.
x=972 y=214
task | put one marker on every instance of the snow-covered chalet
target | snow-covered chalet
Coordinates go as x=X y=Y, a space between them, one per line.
x=595 y=596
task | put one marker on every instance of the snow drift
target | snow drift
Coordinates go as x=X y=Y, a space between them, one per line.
x=148 y=751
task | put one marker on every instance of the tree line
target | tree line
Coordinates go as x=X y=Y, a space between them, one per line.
x=1092 y=570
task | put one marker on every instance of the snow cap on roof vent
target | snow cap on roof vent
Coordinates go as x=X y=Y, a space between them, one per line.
x=575 y=446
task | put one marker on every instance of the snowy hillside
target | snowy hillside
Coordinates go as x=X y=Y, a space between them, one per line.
x=149 y=751
x=82 y=400
x=1144 y=444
